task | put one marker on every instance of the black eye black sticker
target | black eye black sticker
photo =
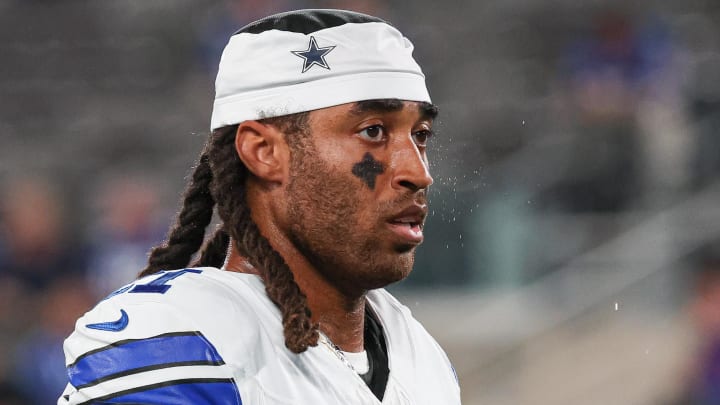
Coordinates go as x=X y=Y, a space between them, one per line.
x=368 y=169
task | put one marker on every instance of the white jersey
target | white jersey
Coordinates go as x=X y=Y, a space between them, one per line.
x=208 y=336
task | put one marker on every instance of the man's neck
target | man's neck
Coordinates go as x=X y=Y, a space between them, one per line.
x=341 y=316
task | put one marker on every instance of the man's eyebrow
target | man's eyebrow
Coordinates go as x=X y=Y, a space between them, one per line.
x=427 y=110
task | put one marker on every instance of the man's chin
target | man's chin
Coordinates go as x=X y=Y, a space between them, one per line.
x=371 y=271
x=392 y=273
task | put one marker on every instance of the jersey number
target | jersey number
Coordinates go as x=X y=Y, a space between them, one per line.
x=156 y=286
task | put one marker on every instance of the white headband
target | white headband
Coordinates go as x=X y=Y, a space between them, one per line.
x=278 y=72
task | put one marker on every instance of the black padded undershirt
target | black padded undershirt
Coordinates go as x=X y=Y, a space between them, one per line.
x=377 y=376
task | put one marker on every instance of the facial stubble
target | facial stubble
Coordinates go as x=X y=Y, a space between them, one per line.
x=334 y=228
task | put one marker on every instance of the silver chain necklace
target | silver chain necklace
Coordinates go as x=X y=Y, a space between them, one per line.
x=336 y=350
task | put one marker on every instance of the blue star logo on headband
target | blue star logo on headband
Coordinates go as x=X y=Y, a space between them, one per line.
x=314 y=55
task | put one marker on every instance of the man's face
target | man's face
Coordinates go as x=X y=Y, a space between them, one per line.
x=356 y=199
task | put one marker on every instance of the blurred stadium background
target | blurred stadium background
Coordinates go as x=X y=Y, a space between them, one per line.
x=571 y=255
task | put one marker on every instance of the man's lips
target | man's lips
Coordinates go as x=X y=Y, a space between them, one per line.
x=408 y=223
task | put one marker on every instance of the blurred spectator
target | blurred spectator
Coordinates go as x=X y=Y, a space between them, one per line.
x=705 y=110
x=702 y=386
x=602 y=72
x=129 y=225
x=35 y=251
x=662 y=114
x=12 y=321
x=34 y=247
x=39 y=362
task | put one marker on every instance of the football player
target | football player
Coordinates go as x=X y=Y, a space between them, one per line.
x=316 y=165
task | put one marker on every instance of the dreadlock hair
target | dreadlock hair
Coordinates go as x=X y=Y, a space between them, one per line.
x=218 y=181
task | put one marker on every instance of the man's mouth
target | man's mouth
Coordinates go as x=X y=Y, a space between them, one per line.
x=408 y=223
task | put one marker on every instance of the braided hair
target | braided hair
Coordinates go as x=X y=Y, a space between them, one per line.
x=218 y=182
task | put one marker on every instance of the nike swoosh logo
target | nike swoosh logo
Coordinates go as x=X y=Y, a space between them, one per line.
x=114 y=326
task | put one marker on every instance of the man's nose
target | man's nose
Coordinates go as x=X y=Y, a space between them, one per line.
x=410 y=168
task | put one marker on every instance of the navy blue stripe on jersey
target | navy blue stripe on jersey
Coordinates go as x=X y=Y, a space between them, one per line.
x=196 y=391
x=137 y=355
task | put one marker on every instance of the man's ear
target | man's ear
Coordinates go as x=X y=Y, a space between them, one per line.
x=263 y=150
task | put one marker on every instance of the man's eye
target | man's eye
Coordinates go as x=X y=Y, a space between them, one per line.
x=374 y=133
x=421 y=137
